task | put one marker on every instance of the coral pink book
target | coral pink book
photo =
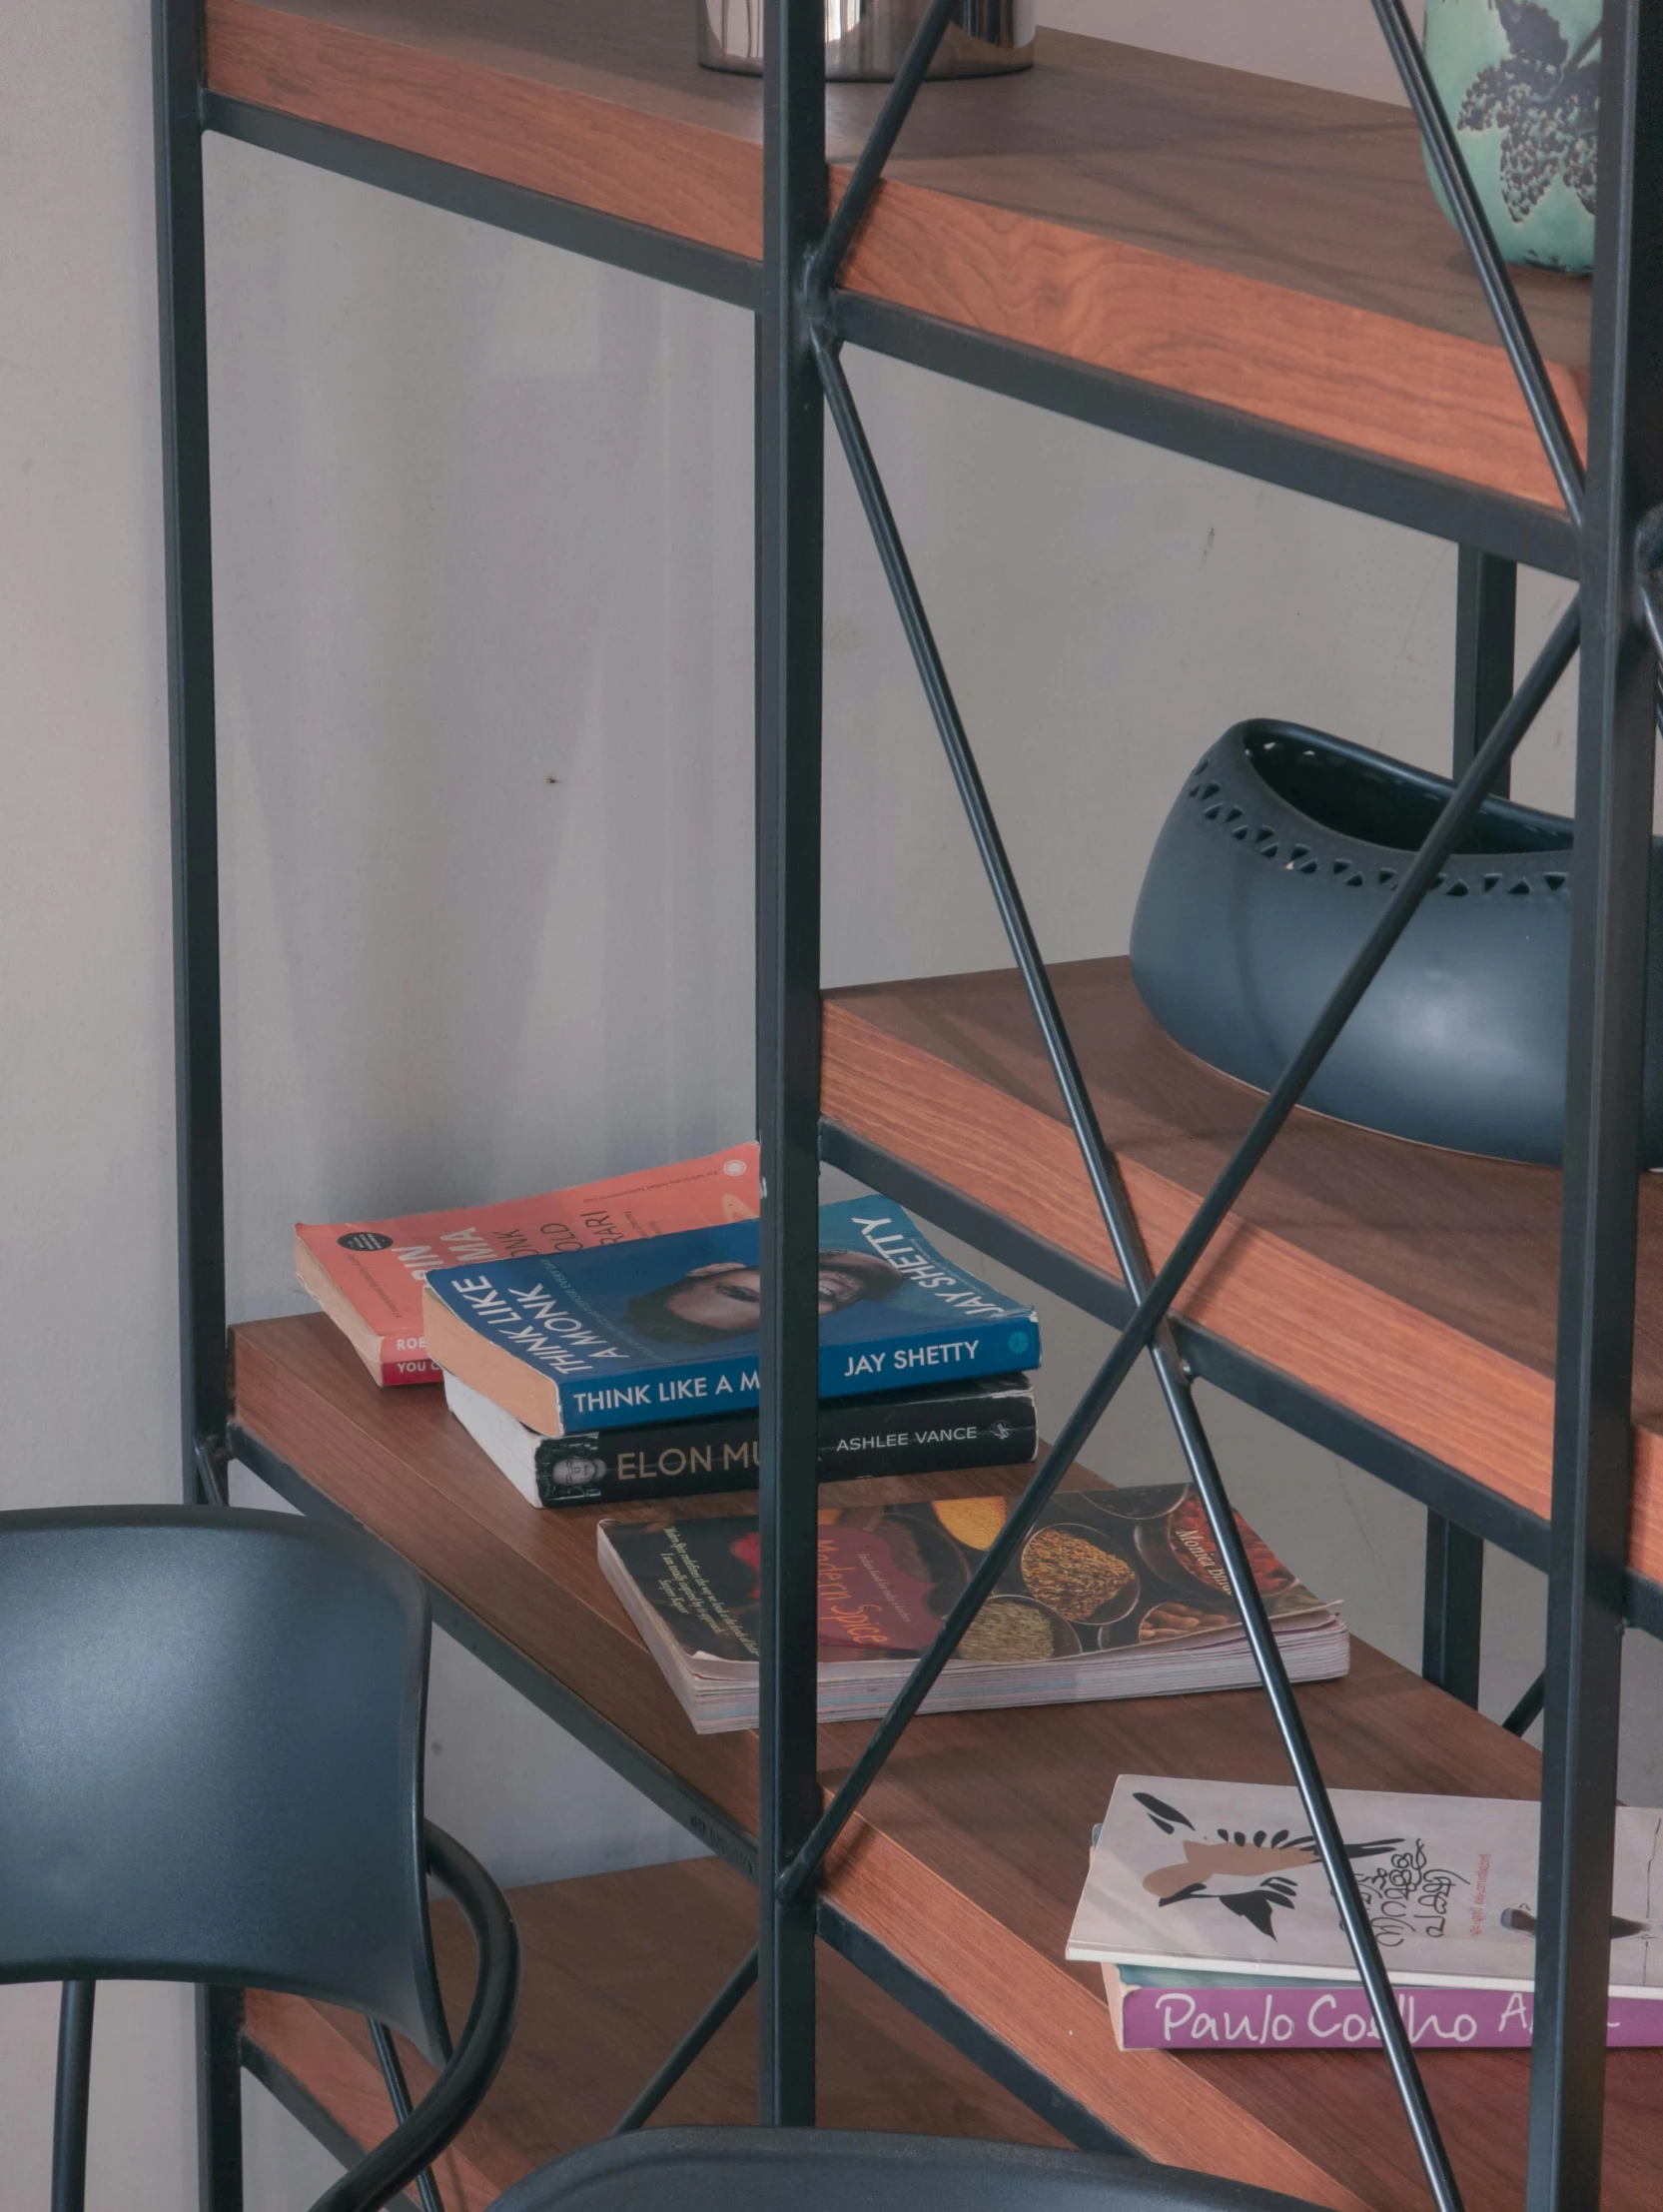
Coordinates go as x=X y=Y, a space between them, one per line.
x=368 y=1275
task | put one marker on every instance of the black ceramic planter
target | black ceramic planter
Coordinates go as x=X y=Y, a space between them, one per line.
x=1269 y=872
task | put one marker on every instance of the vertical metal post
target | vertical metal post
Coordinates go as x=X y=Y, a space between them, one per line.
x=183 y=315
x=188 y=569
x=1454 y=1612
x=1593 y=1437
x=1486 y=599
x=790 y=488
x=220 y=2100
x=1486 y=605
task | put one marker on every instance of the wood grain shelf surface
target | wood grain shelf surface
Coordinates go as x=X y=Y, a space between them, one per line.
x=616 y=1968
x=1415 y=1287
x=968 y=1857
x=1255 y=245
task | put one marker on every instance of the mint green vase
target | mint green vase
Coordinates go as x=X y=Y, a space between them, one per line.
x=1520 y=82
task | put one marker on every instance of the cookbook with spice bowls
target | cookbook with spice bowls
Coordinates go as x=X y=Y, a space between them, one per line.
x=1111 y=1594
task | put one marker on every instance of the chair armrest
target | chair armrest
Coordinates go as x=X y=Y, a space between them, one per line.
x=472 y=2065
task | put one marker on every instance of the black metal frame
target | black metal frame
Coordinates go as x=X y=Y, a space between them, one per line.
x=1593 y=1434
x=1486 y=605
x=1609 y=537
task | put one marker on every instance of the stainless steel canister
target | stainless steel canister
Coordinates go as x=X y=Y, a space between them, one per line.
x=869 y=38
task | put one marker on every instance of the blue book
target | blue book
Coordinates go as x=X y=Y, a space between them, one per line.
x=624 y=1334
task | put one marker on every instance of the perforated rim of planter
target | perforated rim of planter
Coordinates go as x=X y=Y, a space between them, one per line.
x=1511 y=850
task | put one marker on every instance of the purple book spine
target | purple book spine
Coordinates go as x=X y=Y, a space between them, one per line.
x=1294 y=2016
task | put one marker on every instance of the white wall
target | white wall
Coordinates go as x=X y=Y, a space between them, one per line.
x=87 y=1375
x=484 y=573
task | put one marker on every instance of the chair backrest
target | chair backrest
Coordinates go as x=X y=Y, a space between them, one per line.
x=211 y=1728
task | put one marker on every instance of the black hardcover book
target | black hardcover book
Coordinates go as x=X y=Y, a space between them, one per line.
x=985 y=1421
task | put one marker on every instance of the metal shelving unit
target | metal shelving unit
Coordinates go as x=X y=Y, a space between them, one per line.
x=816 y=281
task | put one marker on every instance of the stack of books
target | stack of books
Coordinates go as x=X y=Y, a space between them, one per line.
x=1111 y=1594
x=601 y=1342
x=1215 y=1928
x=632 y=1371
x=368 y=1275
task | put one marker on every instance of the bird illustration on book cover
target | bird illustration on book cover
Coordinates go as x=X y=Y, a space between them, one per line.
x=1253 y=1873
x=1216 y=1876
x=1250 y=1874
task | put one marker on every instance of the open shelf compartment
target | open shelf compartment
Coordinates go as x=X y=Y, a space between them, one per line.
x=616 y=1968
x=1414 y=1288
x=1247 y=245
x=960 y=1877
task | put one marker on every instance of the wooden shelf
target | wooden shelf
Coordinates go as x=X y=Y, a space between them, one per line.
x=968 y=1855
x=1415 y=1287
x=1259 y=246
x=617 y=1969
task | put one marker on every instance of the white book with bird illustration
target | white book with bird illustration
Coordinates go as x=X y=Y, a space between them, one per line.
x=1217 y=1877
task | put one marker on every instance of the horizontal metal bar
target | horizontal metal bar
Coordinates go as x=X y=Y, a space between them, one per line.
x=931 y=2005
x=1360 y=1441
x=507 y=207
x=1439 y=506
x=1442 y=507
x=551 y=1696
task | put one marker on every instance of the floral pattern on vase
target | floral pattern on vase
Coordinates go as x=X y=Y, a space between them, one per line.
x=1520 y=82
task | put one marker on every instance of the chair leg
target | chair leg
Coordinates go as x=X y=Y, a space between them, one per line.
x=69 y=2118
x=219 y=2099
x=398 y=2090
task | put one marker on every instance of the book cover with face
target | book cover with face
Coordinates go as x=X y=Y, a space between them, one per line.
x=621 y=1336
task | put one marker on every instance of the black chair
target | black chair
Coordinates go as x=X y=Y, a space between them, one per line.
x=211 y=1732
x=732 y=2169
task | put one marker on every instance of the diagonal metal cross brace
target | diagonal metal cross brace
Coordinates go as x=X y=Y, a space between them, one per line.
x=397 y=2094
x=1132 y=1260
x=848 y=215
x=1152 y=1307
x=727 y=1998
x=820 y=278
x=1443 y=151
x=1449 y=162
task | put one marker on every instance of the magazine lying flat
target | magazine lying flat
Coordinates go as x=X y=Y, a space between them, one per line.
x=1113 y=1593
x=1223 y=1879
